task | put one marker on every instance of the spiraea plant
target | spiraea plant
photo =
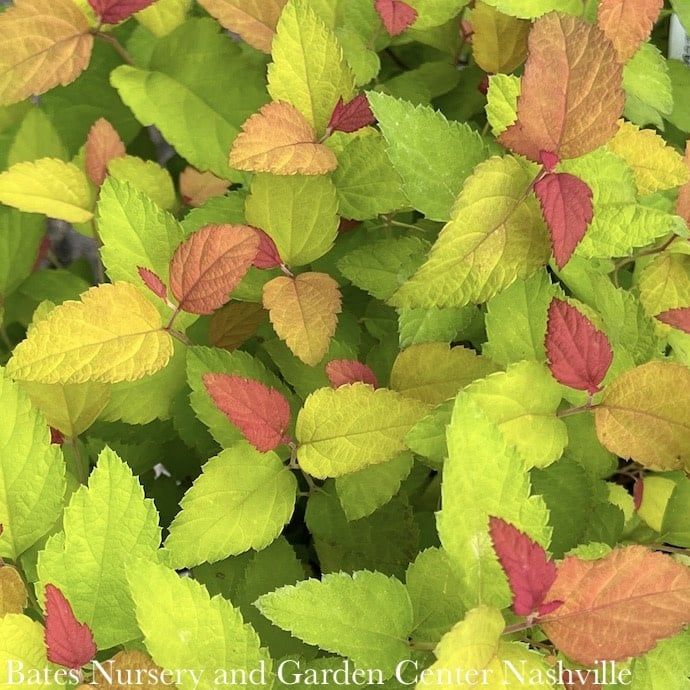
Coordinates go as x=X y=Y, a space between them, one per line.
x=376 y=355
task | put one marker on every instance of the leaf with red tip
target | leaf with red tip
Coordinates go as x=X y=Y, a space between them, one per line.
x=566 y=204
x=268 y=255
x=153 y=282
x=395 y=15
x=103 y=144
x=349 y=117
x=207 y=267
x=678 y=318
x=340 y=372
x=261 y=413
x=530 y=571
x=56 y=437
x=69 y=642
x=579 y=355
x=114 y=11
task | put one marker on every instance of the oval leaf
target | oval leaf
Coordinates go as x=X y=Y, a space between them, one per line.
x=628 y=23
x=103 y=144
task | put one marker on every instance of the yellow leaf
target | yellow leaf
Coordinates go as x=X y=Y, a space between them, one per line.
x=254 y=20
x=49 y=186
x=43 y=43
x=70 y=408
x=645 y=416
x=147 y=176
x=304 y=313
x=13 y=596
x=499 y=42
x=164 y=16
x=198 y=187
x=434 y=372
x=279 y=140
x=656 y=165
x=113 y=334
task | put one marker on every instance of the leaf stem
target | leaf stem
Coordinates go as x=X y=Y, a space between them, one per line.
x=579 y=409
x=180 y=336
x=518 y=627
x=117 y=46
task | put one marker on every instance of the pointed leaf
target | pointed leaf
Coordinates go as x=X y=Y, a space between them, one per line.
x=103 y=143
x=571 y=95
x=279 y=140
x=396 y=15
x=619 y=606
x=196 y=188
x=153 y=282
x=304 y=313
x=678 y=318
x=260 y=412
x=268 y=255
x=349 y=117
x=566 y=202
x=342 y=372
x=528 y=567
x=114 y=11
x=628 y=23
x=579 y=354
x=44 y=43
x=113 y=334
x=69 y=642
x=207 y=267
x=254 y=20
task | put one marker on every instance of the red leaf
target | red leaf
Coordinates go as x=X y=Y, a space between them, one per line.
x=56 y=436
x=638 y=492
x=349 y=117
x=579 y=354
x=268 y=255
x=153 y=282
x=566 y=203
x=530 y=571
x=395 y=15
x=114 y=11
x=549 y=159
x=261 y=413
x=340 y=372
x=678 y=318
x=69 y=643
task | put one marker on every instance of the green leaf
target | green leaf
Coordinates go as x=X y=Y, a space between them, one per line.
x=666 y=667
x=432 y=13
x=482 y=477
x=365 y=616
x=648 y=87
x=531 y=9
x=32 y=473
x=502 y=99
x=497 y=235
x=432 y=155
x=683 y=12
x=363 y=492
x=198 y=90
x=107 y=525
x=347 y=429
x=422 y=325
x=428 y=436
x=185 y=628
x=147 y=176
x=680 y=80
x=299 y=212
x=367 y=183
x=23 y=647
x=434 y=588
x=36 y=138
x=20 y=238
x=241 y=501
x=308 y=69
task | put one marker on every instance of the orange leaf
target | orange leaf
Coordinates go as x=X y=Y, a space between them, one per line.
x=103 y=144
x=43 y=43
x=279 y=140
x=572 y=94
x=619 y=606
x=234 y=324
x=198 y=187
x=628 y=23
x=683 y=204
x=254 y=20
x=303 y=311
x=207 y=267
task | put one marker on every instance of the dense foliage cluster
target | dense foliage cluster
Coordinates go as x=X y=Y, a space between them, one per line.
x=382 y=353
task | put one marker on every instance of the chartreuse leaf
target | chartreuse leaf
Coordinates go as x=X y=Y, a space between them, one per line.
x=497 y=235
x=49 y=186
x=20 y=237
x=434 y=372
x=683 y=12
x=106 y=525
x=647 y=86
x=502 y=98
x=29 y=461
x=522 y=402
x=347 y=429
x=421 y=325
x=665 y=666
x=184 y=627
x=299 y=213
x=431 y=13
x=241 y=501
x=364 y=491
x=484 y=476
x=113 y=334
x=531 y=9
x=23 y=643
x=195 y=75
x=427 y=437
x=36 y=138
x=148 y=176
x=163 y=16
x=308 y=69
x=432 y=174
x=365 y=616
